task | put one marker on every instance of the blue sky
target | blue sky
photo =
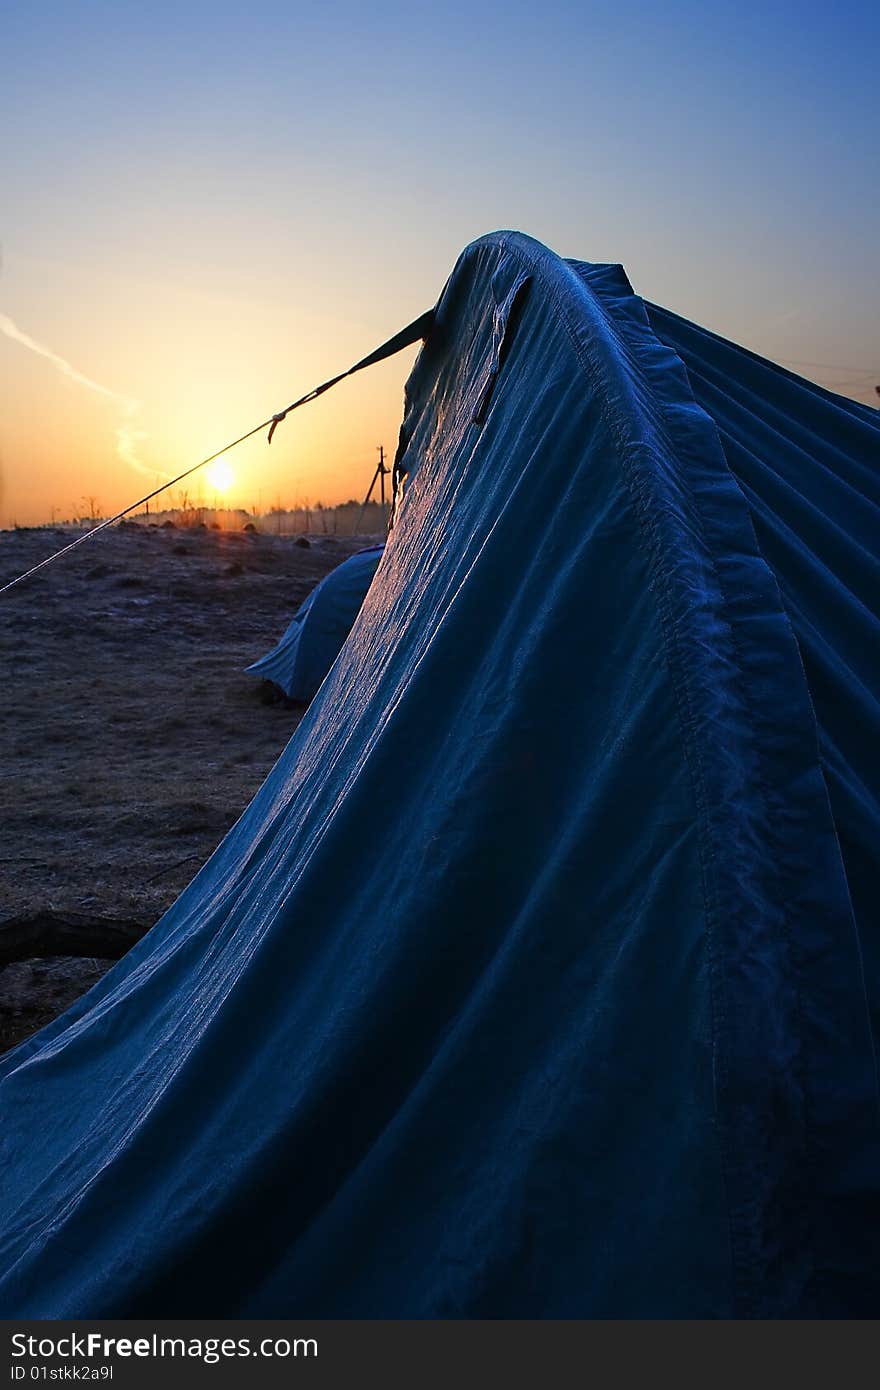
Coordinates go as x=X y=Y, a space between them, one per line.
x=208 y=206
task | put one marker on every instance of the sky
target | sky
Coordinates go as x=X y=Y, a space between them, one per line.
x=208 y=209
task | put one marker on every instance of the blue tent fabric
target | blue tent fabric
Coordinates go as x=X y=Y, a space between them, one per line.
x=314 y=637
x=807 y=463
x=579 y=1024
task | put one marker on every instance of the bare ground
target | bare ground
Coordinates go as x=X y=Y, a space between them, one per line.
x=130 y=739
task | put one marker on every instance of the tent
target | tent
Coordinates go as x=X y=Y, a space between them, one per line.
x=581 y=1023
x=310 y=645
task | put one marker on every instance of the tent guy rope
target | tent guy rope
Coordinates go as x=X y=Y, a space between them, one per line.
x=414 y=332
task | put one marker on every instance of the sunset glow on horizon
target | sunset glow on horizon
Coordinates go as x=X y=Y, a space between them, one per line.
x=220 y=476
x=207 y=212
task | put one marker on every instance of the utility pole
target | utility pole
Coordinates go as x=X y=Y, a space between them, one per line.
x=381 y=469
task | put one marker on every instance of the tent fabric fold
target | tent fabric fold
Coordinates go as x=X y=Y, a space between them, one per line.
x=536 y=979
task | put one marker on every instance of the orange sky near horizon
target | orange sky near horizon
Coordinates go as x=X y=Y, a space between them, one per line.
x=173 y=378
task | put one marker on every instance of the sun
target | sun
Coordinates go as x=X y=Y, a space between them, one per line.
x=220 y=476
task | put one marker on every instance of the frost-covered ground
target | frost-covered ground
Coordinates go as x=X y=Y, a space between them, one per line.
x=130 y=739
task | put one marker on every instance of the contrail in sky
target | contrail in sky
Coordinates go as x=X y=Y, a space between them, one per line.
x=127 y=435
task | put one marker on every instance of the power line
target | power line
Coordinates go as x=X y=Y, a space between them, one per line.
x=829 y=366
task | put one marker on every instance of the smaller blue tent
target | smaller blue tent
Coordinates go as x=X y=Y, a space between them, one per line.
x=312 y=642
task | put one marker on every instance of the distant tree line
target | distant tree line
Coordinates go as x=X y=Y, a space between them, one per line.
x=302 y=518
